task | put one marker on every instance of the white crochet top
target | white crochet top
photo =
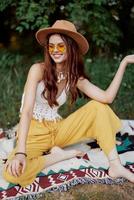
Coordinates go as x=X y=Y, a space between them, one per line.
x=41 y=109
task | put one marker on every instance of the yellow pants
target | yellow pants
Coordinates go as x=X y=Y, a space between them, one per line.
x=93 y=120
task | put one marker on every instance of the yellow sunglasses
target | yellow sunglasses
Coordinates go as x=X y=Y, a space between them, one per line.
x=60 y=47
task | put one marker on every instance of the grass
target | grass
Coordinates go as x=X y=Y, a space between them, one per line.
x=13 y=72
x=94 y=192
x=101 y=71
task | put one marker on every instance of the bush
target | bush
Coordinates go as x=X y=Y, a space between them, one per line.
x=102 y=70
x=97 y=19
x=97 y=22
x=13 y=72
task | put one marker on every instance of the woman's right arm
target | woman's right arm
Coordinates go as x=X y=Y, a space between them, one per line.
x=34 y=76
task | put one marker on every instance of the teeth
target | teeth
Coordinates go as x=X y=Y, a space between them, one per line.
x=57 y=56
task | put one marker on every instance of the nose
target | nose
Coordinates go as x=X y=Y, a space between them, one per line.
x=55 y=48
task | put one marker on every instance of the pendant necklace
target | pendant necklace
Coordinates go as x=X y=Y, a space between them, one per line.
x=61 y=76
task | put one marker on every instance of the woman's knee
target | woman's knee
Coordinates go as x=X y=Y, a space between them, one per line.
x=8 y=177
x=95 y=106
x=98 y=105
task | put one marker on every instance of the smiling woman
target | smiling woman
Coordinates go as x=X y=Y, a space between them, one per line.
x=57 y=51
x=49 y=84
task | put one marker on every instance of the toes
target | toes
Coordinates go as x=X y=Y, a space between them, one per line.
x=56 y=149
x=80 y=153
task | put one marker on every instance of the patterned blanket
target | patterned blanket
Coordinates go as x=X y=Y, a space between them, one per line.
x=92 y=168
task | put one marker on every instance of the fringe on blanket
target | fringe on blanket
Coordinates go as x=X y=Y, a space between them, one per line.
x=66 y=186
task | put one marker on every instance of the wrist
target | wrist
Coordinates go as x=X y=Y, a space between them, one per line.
x=124 y=63
x=20 y=153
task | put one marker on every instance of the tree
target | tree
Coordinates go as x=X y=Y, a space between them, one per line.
x=99 y=20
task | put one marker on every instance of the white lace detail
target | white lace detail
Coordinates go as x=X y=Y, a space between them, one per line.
x=41 y=109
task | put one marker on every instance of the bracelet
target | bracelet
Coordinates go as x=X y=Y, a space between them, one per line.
x=21 y=153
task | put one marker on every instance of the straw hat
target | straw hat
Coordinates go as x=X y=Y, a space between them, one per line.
x=64 y=27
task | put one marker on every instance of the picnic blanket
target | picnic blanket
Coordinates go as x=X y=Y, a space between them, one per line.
x=92 y=168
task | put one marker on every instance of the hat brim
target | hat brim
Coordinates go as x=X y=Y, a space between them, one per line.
x=42 y=34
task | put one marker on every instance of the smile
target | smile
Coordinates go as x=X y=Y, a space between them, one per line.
x=57 y=55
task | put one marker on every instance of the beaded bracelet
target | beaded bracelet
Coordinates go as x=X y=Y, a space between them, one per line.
x=21 y=153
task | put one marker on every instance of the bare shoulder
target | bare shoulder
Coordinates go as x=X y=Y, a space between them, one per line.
x=37 y=70
x=35 y=74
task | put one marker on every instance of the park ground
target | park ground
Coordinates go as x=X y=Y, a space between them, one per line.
x=94 y=192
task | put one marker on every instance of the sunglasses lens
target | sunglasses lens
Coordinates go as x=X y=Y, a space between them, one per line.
x=50 y=48
x=59 y=47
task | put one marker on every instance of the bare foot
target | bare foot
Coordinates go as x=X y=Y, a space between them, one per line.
x=66 y=154
x=116 y=171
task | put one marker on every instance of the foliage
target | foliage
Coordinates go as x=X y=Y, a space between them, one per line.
x=13 y=71
x=36 y=14
x=95 y=18
x=29 y=15
x=4 y=4
x=10 y=84
x=101 y=72
x=98 y=20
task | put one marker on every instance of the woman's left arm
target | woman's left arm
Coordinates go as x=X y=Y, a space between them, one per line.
x=108 y=95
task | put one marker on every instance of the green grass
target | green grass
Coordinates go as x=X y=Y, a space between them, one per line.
x=102 y=71
x=13 y=72
x=105 y=70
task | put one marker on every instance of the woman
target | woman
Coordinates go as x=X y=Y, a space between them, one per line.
x=48 y=85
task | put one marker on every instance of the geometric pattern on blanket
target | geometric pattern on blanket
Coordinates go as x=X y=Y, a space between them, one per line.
x=60 y=182
x=92 y=168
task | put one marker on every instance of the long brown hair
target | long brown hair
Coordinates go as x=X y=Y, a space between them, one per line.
x=74 y=65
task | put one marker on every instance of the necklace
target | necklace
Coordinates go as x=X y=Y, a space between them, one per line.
x=61 y=76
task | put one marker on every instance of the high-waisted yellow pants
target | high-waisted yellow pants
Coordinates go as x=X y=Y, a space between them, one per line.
x=93 y=120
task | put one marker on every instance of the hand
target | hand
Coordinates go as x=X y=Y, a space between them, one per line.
x=128 y=59
x=17 y=165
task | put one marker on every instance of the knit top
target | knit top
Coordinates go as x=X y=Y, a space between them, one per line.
x=42 y=110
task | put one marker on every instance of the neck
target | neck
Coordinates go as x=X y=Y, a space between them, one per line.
x=60 y=67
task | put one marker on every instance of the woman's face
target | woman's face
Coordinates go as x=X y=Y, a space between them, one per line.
x=57 y=48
